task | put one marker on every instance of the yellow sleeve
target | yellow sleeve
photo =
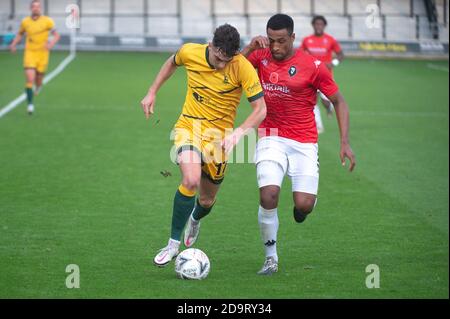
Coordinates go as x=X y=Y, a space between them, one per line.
x=50 y=24
x=23 y=26
x=250 y=81
x=181 y=55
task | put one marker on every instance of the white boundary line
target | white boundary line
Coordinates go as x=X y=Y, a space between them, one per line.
x=437 y=67
x=13 y=104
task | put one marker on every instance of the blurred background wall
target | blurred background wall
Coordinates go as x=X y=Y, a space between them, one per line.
x=162 y=24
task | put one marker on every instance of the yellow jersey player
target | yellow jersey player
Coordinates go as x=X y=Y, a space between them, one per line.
x=37 y=28
x=217 y=76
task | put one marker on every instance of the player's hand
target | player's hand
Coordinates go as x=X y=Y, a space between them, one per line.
x=230 y=141
x=148 y=104
x=48 y=46
x=346 y=152
x=12 y=48
x=259 y=42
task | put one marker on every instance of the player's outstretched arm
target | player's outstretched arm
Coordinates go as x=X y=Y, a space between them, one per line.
x=259 y=42
x=166 y=71
x=17 y=39
x=342 y=115
x=253 y=120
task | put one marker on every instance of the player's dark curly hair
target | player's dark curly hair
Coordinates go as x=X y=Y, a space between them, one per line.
x=281 y=21
x=316 y=18
x=227 y=39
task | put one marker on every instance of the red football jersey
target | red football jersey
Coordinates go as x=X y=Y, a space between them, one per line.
x=321 y=47
x=290 y=91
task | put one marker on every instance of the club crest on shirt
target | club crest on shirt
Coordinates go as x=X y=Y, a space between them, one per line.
x=264 y=62
x=292 y=70
x=225 y=79
x=273 y=77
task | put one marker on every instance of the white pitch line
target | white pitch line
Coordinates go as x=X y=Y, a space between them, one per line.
x=437 y=67
x=13 y=104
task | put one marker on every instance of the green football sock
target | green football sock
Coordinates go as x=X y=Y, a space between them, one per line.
x=200 y=211
x=182 y=209
x=29 y=92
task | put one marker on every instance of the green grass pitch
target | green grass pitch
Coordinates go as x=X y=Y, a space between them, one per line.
x=80 y=183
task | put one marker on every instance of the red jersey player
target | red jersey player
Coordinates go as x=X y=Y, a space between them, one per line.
x=290 y=79
x=322 y=46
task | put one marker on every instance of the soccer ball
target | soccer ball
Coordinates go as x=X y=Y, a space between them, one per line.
x=192 y=263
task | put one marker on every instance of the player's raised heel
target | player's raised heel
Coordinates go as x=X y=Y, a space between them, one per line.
x=166 y=254
x=270 y=267
x=191 y=232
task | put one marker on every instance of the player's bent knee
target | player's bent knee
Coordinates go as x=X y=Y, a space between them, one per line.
x=303 y=208
x=191 y=183
x=269 y=196
x=306 y=205
x=269 y=200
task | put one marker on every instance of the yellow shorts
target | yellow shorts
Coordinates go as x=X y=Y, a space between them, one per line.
x=213 y=157
x=36 y=60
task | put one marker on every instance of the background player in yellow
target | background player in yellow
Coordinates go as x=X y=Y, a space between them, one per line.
x=37 y=28
x=217 y=75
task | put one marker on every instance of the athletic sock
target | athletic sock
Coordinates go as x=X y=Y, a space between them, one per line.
x=200 y=211
x=29 y=92
x=268 y=224
x=183 y=203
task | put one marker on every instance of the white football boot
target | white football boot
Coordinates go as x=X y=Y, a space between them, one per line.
x=270 y=266
x=167 y=253
x=191 y=232
x=30 y=109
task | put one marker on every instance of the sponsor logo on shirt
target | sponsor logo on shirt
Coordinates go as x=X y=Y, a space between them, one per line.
x=275 y=88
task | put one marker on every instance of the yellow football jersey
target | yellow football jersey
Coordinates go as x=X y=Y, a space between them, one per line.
x=36 y=31
x=214 y=95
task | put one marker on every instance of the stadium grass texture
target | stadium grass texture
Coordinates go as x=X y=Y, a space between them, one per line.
x=80 y=183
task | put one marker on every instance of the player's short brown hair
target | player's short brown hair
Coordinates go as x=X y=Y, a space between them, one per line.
x=227 y=39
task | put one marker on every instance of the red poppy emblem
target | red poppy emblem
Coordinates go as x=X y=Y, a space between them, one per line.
x=273 y=77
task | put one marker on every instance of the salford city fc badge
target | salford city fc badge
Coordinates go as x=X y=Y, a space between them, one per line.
x=292 y=70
